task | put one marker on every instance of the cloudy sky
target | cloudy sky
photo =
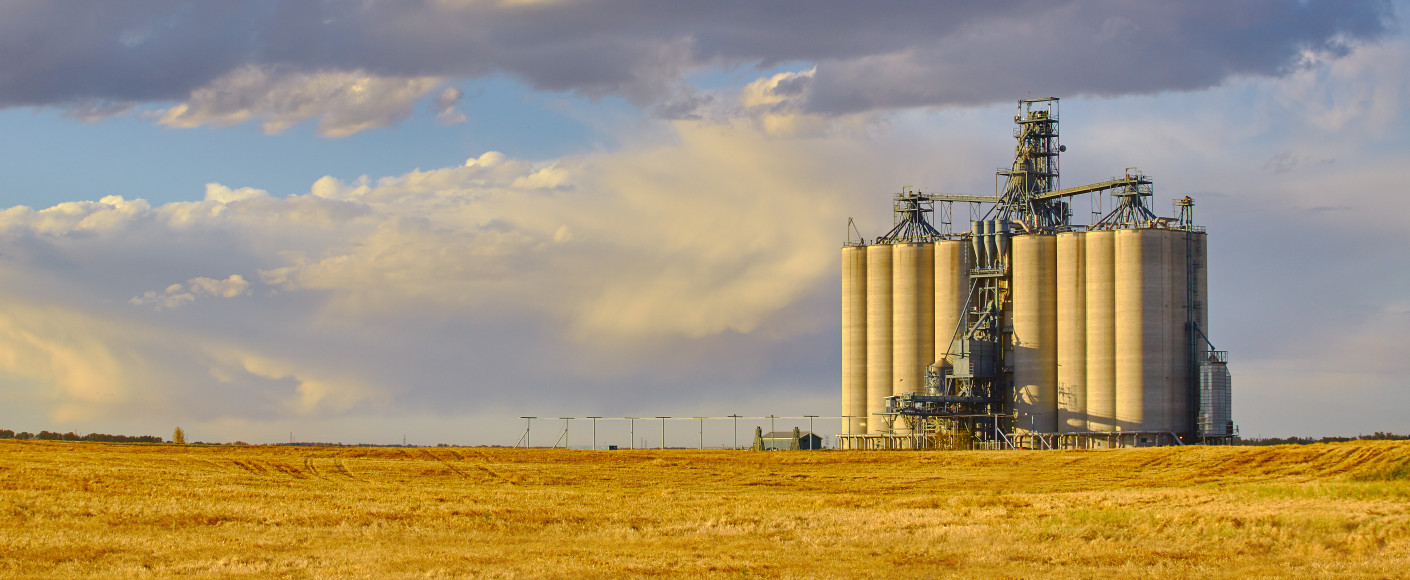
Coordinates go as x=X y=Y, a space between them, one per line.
x=358 y=221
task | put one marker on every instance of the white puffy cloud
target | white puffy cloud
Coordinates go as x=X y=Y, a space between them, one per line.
x=444 y=105
x=178 y=294
x=344 y=102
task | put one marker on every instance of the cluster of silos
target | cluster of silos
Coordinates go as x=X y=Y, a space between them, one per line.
x=1101 y=333
x=899 y=301
x=1101 y=339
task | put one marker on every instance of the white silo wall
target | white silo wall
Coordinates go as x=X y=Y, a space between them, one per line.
x=854 y=338
x=1071 y=332
x=913 y=332
x=1143 y=365
x=952 y=263
x=1100 y=249
x=878 y=334
x=927 y=310
x=1035 y=332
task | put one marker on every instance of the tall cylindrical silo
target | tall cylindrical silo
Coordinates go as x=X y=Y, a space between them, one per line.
x=878 y=334
x=1142 y=330
x=913 y=330
x=1071 y=332
x=1035 y=332
x=1100 y=249
x=927 y=310
x=951 y=291
x=854 y=339
x=1202 y=298
x=1178 y=267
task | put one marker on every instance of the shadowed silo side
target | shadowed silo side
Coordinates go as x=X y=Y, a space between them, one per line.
x=1035 y=332
x=1178 y=347
x=913 y=305
x=1100 y=250
x=1201 y=314
x=1071 y=332
x=951 y=291
x=854 y=338
x=1142 y=330
x=878 y=334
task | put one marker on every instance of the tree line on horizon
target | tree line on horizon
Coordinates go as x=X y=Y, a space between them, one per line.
x=71 y=436
x=1377 y=436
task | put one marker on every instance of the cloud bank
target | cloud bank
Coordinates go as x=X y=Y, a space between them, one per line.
x=360 y=65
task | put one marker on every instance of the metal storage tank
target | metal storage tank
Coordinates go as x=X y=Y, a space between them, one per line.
x=1100 y=249
x=854 y=339
x=878 y=334
x=952 y=265
x=913 y=318
x=1035 y=332
x=1071 y=332
x=1143 y=365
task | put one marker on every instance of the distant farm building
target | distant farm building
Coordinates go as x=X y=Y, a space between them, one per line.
x=783 y=441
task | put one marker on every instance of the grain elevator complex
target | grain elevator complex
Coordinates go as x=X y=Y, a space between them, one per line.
x=1028 y=330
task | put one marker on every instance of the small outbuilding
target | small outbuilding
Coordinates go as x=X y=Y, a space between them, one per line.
x=785 y=440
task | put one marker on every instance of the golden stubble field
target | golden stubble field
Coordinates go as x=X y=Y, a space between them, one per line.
x=91 y=509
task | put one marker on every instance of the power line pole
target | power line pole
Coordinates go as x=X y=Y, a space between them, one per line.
x=528 y=431
x=736 y=431
x=594 y=432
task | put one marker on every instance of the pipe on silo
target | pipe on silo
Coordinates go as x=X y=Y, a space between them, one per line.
x=1071 y=332
x=951 y=292
x=1100 y=249
x=1001 y=231
x=913 y=304
x=1143 y=362
x=854 y=339
x=991 y=243
x=878 y=334
x=1035 y=332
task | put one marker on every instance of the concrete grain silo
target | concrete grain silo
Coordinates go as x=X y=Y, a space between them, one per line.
x=879 y=328
x=854 y=339
x=1071 y=332
x=1029 y=330
x=1101 y=329
x=1035 y=333
x=952 y=264
x=1143 y=365
x=913 y=322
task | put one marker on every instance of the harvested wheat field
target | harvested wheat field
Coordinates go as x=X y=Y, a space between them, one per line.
x=92 y=509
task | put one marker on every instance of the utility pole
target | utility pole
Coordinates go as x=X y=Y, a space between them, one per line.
x=736 y=431
x=663 y=432
x=528 y=431
x=810 y=430
x=594 y=432
x=633 y=419
x=702 y=432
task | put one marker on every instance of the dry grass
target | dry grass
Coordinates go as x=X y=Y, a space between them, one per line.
x=87 y=509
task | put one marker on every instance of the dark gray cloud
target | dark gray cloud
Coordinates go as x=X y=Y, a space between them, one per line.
x=869 y=56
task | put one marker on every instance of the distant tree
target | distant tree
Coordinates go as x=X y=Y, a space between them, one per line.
x=178 y=436
x=24 y=435
x=797 y=442
x=7 y=434
x=758 y=439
